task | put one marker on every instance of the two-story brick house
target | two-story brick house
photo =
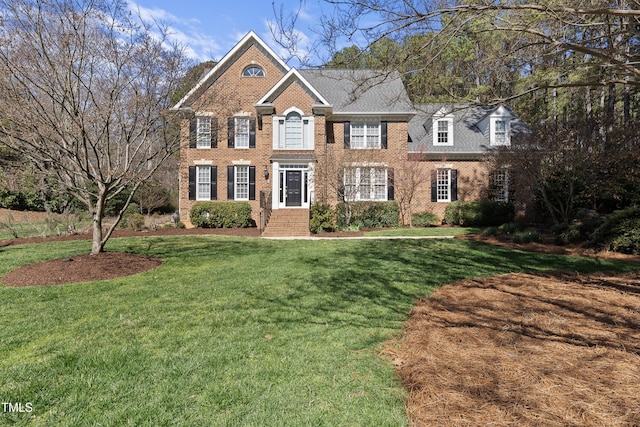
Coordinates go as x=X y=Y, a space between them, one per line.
x=254 y=126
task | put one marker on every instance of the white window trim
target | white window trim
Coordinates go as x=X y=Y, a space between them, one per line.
x=358 y=196
x=308 y=131
x=253 y=75
x=200 y=195
x=236 y=183
x=448 y=198
x=449 y=120
x=366 y=124
x=237 y=134
x=203 y=139
x=507 y=129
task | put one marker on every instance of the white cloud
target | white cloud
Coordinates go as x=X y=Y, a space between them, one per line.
x=198 y=45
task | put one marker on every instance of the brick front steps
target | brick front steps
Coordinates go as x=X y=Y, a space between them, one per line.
x=287 y=222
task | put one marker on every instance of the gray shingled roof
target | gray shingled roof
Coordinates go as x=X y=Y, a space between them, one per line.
x=360 y=91
x=468 y=137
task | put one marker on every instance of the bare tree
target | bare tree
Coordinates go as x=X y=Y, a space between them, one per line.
x=85 y=88
x=151 y=195
x=409 y=176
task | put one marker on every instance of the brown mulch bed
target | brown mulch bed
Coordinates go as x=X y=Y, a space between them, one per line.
x=83 y=268
x=524 y=349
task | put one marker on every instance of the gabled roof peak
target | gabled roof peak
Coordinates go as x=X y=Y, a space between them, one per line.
x=250 y=37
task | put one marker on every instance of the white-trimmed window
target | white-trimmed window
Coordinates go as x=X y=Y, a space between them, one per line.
x=241 y=184
x=500 y=130
x=293 y=131
x=443 y=185
x=443 y=131
x=203 y=182
x=499 y=185
x=241 y=132
x=365 y=183
x=365 y=135
x=253 y=71
x=203 y=132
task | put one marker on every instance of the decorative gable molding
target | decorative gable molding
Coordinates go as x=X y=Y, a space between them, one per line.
x=230 y=57
x=291 y=76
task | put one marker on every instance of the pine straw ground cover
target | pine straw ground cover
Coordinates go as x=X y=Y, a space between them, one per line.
x=525 y=349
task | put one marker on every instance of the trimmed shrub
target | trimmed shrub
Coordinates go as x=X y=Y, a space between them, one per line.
x=134 y=221
x=620 y=232
x=368 y=214
x=127 y=221
x=424 y=219
x=527 y=237
x=221 y=215
x=484 y=213
x=321 y=218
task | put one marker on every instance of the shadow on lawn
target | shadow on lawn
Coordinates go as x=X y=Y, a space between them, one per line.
x=374 y=284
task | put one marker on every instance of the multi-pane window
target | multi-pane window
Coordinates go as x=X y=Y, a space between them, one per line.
x=203 y=135
x=443 y=185
x=365 y=135
x=241 y=185
x=241 y=132
x=499 y=185
x=443 y=131
x=253 y=71
x=293 y=131
x=203 y=183
x=365 y=183
x=500 y=132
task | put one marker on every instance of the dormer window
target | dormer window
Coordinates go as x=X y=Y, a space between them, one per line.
x=253 y=71
x=500 y=127
x=500 y=131
x=443 y=130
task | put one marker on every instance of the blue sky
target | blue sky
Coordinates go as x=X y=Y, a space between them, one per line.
x=210 y=28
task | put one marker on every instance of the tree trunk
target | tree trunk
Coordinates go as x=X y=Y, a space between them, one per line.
x=97 y=244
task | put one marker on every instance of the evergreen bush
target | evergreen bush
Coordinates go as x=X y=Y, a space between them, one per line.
x=221 y=215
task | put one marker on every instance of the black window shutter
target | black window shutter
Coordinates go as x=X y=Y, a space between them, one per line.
x=390 y=189
x=454 y=185
x=329 y=132
x=214 y=132
x=192 y=182
x=252 y=182
x=383 y=135
x=347 y=134
x=193 y=132
x=214 y=183
x=434 y=185
x=230 y=132
x=252 y=134
x=230 y=183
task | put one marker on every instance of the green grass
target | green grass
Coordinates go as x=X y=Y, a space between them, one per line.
x=427 y=231
x=230 y=331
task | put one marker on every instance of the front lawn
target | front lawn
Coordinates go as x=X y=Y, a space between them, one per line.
x=424 y=231
x=230 y=331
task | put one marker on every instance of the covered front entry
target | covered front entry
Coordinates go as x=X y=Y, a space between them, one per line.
x=293 y=185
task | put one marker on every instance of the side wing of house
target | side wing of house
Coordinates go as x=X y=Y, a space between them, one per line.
x=452 y=142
